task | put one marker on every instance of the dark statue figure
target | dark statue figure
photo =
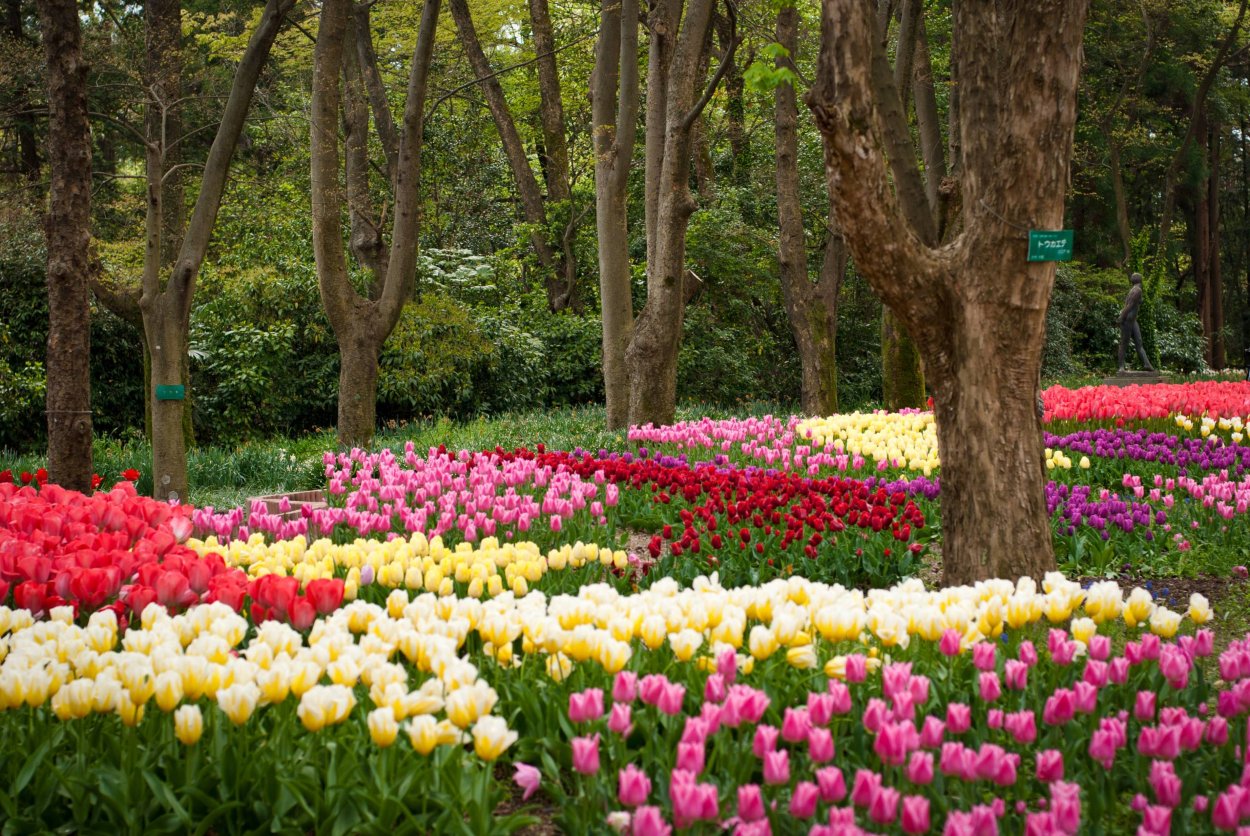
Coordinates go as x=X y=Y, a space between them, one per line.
x=1129 y=329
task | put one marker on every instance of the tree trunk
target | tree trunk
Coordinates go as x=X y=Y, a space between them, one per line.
x=929 y=127
x=361 y=325
x=68 y=229
x=614 y=115
x=662 y=26
x=166 y=306
x=167 y=328
x=652 y=353
x=902 y=374
x=1121 y=201
x=811 y=309
x=976 y=306
x=735 y=101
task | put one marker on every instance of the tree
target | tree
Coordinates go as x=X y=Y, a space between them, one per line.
x=560 y=270
x=167 y=292
x=12 y=43
x=812 y=307
x=361 y=324
x=614 y=112
x=673 y=81
x=976 y=307
x=69 y=237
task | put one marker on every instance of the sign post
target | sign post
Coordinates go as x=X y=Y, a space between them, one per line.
x=1050 y=245
x=175 y=392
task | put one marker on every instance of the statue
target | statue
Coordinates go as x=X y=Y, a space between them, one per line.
x=1129 y=329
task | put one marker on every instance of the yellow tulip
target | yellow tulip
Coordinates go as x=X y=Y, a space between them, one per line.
x=423 y=733
x=383 y=727
x=491 y=737
x=168 y=691
x=188 y=725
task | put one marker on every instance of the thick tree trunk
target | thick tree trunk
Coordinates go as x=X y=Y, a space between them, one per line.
x=614 y=112
x=68 y=229
x=358 y=384
x=976 y=306
x=811 y=308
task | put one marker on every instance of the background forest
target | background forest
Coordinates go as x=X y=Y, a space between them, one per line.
x=506 y=311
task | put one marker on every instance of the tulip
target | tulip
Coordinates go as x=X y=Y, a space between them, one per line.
x=649 y=821
x=586 y=754
x=884 y=806
x=238 y=701
x=625 y=687
x=633 y=786
x=803 y=801
x=958 y=718
x=586 y=705
x=915 y=814
x=1049 y=766
x=777 y=767
x=423 y=733
x=832 y=784
x=383 y=727
x=765 y=740
x=620 y=720
x=866 y=787
x=491 y=737
x=950 y=642
x=188 y=724
x=690 y=757
x=750 y=803
x=820 y=745
x=527 y=778
x=920 y=768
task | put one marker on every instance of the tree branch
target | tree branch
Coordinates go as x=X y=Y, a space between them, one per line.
x=726 y=62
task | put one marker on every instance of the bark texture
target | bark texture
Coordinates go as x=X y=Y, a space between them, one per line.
x=975 y=306
x=361 y=324
x=69 y=237
x=812 y=307
x=614 y=112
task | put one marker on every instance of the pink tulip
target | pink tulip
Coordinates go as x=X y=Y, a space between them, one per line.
x=765 y=740
x=820 y=745
x=527 y=778
x=586 y=754
x=920 y=768
x=1144 y=706
x=1174 y=666
x=671 y=699
x=949 y=643
x=1102 y=748
x=1165 y=784
x=1156 y=819
x=777 y=767
x=796 y=725
x=1226 y=813
x=1099 y=647
x=984 y=656
x=832 y=784
x=1049 y=766
x=1060 y=707
x=874 y=715
x=958 y=718
x=931 y=732
x=727 y=665
x=649 y=821
x=891 y=743
x=1016 y=675
x=714 y=689
x=1022 y=726
x=651 y=688
x=1065 y=801
x=841 y=696
x=1118 y=670
x=633 y=786
x=690 y=757
x=750 y=803
x=803 y=801
x=1027 y=653
x=1084 y=697
x=856 y=667
x=586 y=705
x=884 y=806
x=625 y=686
x=820 y=708
x=994 y=718
x=620 y=720
x=696 y=730
x=865 y=788
x=915 y=814
x=1217 y=731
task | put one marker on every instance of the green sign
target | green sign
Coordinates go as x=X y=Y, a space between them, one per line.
x=171 y=393
x=1050 y=245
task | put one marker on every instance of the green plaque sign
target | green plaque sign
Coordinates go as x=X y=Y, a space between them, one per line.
x=171 y=393
x=1050 y=245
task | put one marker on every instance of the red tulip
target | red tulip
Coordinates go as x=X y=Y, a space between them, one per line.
x=326 y=594
x=30 y=595
x=302 y=614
